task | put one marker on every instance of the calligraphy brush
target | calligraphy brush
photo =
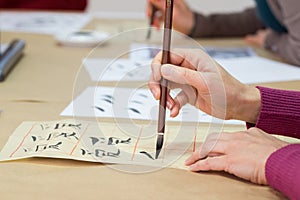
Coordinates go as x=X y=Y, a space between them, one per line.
x=154 y=10
x=164 y=82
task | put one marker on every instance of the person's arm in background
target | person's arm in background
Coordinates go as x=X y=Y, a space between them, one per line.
x=231 y=24
x=183 y=17
x=287 y=45
x=44 y=4
x=197 y=25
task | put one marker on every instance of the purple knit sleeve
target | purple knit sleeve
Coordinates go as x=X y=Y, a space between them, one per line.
x=280 y=112
x=282 y=171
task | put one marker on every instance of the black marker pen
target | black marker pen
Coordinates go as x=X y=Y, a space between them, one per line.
x=10 y=57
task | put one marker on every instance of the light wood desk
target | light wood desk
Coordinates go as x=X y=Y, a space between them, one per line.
x=41 y=85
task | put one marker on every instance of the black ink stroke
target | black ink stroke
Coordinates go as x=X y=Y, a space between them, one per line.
x=138 y=64
x=115 y=141
x=59 y=126
x=107 y=100
x=68 y=135
x=102 y=153
x=55 y=146
x=96 y=140
x=147 y=154
x=137 y=102
x=120 y=66
x=108 y=96
x=34 y=138
x=135 y=110
x=143 y=95
x=101 y=109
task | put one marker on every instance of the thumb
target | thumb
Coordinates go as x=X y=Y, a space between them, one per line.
x=183 y=75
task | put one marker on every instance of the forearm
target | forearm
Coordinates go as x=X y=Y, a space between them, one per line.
x=282 y=170
x=232 y=24
x=280 y=112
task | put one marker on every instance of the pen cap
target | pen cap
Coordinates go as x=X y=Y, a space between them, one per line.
x=10 y=57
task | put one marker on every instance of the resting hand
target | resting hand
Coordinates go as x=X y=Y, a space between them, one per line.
x=257 y=39
x=183 y=17
x=243 y=154
x=205 y=85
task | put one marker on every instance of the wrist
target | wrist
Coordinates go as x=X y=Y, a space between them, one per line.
x=248 y=104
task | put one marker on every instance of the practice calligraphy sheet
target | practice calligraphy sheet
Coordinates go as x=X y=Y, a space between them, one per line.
x=129 y=103
x=230 y=52
x=140 y=51
x=137 y=67
x=101 y=142
x=117 y=70
x=42 y=22
x=242 y=63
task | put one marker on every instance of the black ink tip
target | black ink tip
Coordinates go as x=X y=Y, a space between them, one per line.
x=159 y=144
x=157 y=153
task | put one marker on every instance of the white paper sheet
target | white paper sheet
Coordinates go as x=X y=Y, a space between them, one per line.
x=242 y=63
x=129 y=103
x=137 y=68
x=117 y=70
x=260 y=70
x=248 y=70
x=140 y=51
x=42 y=22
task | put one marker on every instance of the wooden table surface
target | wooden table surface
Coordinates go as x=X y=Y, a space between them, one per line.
x=42 y=85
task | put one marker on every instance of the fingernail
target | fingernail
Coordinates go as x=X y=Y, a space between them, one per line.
x=186 y=162
x=165 y=70
x=192 y=167
x=170 y=105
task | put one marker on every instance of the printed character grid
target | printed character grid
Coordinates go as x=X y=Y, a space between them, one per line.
x=102 y=142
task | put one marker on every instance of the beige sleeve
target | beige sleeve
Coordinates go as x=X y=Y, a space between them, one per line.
x=287 y=45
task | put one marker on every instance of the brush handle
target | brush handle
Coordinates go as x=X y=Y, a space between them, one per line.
x=165 y=60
